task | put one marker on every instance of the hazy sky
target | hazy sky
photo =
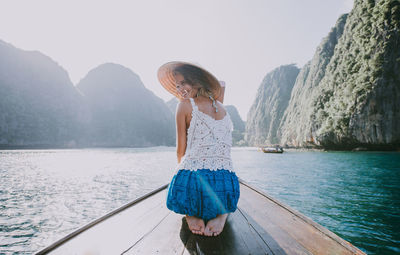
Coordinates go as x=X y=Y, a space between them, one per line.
x=239 y=41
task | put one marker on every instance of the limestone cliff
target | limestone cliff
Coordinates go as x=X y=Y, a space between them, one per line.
x=295 y=128
x=358 y=100
x=348 y=95
x=272 y=98
x=123 y=111
x=172 y=103
x=238 y=126
x=39 y=105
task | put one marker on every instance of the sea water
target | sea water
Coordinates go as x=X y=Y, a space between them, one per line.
x=46 y=194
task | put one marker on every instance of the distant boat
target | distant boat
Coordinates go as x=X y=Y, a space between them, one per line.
x=260 y=225
x=272 y=149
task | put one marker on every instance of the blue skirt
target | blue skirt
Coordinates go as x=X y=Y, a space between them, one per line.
x=203 y=193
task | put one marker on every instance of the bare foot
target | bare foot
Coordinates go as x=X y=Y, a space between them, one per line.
x=215 y=226
x=196 y=225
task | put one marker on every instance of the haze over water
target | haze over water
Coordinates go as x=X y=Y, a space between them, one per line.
x=46 y=194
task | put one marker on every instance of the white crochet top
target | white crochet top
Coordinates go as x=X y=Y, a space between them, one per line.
x=209 y=142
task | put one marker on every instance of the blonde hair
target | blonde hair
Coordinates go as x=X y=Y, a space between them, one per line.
x=205 y=92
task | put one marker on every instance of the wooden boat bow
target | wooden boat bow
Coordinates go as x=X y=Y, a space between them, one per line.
x=261 y=225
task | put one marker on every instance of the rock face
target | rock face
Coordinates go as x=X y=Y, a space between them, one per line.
x=39 y=105
x=357 y=102
x=238 y=125
x=123 y=111
x=348 y=95
x=272 y=98
x=295 y=128
x=172 y=105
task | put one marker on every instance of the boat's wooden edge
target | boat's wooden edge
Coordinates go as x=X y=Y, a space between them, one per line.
x=306 y=219
x=97 y=221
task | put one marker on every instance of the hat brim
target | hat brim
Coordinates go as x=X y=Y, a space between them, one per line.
x=166 y=77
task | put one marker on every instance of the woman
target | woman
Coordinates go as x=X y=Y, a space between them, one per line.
x=204 y=188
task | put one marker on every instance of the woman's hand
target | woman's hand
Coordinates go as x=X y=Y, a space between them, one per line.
x=222 y=92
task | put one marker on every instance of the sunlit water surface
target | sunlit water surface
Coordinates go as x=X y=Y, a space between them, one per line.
x=46 y=194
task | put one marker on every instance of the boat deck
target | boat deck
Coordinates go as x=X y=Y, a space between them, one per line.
x=261 y=225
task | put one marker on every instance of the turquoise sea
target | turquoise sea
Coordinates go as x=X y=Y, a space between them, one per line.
x=46 y=194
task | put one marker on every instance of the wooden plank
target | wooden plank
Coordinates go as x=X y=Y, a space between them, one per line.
x=268 y=246
x=119 y=232
x=307 y=220
x=225 y=243
x=289 y=228
x=261 y=225
x=164 y=239
x=102 y=219
x=204 y=245
x=278 y=241
x=236 y=238
x=246 y=234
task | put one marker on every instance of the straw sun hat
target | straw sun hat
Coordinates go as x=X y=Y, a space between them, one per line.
x=167 y=79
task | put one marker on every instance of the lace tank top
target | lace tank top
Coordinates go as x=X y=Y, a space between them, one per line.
x=209 y=142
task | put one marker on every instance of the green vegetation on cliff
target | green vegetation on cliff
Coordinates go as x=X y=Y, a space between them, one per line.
x=358 y=99
x=348 y=95
x=296 y=125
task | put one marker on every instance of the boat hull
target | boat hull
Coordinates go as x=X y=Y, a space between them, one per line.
x=260 y=225
x=272 y=150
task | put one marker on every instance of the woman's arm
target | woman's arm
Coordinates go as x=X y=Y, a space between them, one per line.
x=222 y=92
x=180 y=131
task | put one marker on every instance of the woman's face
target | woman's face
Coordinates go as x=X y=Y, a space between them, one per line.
x=184 y=88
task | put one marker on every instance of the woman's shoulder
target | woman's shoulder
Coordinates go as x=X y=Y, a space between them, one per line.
x=184 y=103
x=184 y=106
x=204 y=102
